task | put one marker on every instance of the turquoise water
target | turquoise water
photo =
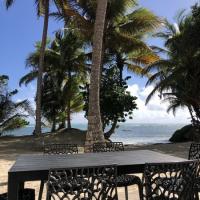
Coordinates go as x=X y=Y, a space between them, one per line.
x=127 y=133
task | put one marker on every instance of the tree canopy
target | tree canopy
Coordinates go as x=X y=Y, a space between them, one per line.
x=177 y=78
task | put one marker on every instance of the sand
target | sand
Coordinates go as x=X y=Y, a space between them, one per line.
x=12 y=147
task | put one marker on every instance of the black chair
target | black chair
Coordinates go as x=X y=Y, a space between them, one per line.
x=57 y=149
x=170 y=181
x=68 y=183
x=123 y=180
x=108 y=147
x=194 y=153
x=60 y=149
x=25 y=194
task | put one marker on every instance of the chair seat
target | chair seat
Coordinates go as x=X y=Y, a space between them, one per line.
x=127 y=180
x=25 y=194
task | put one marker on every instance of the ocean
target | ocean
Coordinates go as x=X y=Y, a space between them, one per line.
x=127 y=133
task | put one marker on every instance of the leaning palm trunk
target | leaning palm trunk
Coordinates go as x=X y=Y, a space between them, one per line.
x=69 y=126
x=40 y=70
x=112 y=129
x=95 y=132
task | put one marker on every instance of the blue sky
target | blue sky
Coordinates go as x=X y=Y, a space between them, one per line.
x=20 y=29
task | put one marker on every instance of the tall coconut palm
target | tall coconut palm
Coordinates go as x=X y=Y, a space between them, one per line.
x=126 y=29
x=95 y=132
x=41 y=68
x=42 y=8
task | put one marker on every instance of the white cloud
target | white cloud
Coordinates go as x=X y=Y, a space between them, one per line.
x=155 y=110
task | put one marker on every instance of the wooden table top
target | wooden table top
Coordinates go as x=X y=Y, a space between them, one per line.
x=136 y=159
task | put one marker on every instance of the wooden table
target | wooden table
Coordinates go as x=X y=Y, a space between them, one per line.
x=35 y=166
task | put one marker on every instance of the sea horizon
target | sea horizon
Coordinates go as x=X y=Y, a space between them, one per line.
x=128 y=133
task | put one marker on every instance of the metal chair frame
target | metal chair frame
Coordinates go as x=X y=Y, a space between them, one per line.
x=108 y=147
x=122 y=180
x=170 y=181
x=194 y=153
x=57 y=149
x=60 y=149
x=88 y=183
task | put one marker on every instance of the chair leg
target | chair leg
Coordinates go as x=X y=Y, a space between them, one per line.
x=41 y=190
x=140 y=189
x=126 y=192
x=196 y=196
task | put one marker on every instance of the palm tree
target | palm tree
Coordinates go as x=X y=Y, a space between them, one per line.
x=127 y=29
x=41 y=68
x=56 y=97
x=42 y=8
x=12 y=114
x=64 y=71
x=95 y=132
x=177 y=77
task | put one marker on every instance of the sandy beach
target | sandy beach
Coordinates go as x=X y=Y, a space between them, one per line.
x=12 y=147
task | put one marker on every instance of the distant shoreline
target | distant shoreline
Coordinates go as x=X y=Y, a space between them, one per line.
x=137 y=134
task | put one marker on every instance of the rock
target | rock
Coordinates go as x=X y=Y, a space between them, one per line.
x=186 y=134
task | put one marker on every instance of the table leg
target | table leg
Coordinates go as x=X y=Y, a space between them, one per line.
x=13 y=186
x=21 y=186
x=41 y=190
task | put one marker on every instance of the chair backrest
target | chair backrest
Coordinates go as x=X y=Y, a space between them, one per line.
x=92 y=183
x=108 y=147
x=60 y=149
x=170 y=181
x=194 y=152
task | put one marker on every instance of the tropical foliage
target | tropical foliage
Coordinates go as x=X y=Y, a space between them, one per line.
x=12 y=114
x=65 y=70
x=42 y=7
x=177 y=78
x=116 y=103
x=100 y=39
x=123 y=39
x=124 y=33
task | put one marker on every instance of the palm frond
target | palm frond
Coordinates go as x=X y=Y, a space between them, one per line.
x=28 y=78
x=8 y=3
x=40 y=7
x=140 y=22
x=138 y=70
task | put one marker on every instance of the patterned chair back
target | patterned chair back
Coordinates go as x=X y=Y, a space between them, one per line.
x=108 y=147
x=170 y=181
x=194 y=152
x=60 y=149
x=92 y=183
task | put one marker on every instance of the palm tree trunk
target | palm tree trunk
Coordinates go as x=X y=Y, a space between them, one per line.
x=69 y=98
x=62 y=125
x=95 y=132
x=112 y=130
x=40 y=70
x=120 y=67
x=191 y=114
x=53 y=128
x=69 y=126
